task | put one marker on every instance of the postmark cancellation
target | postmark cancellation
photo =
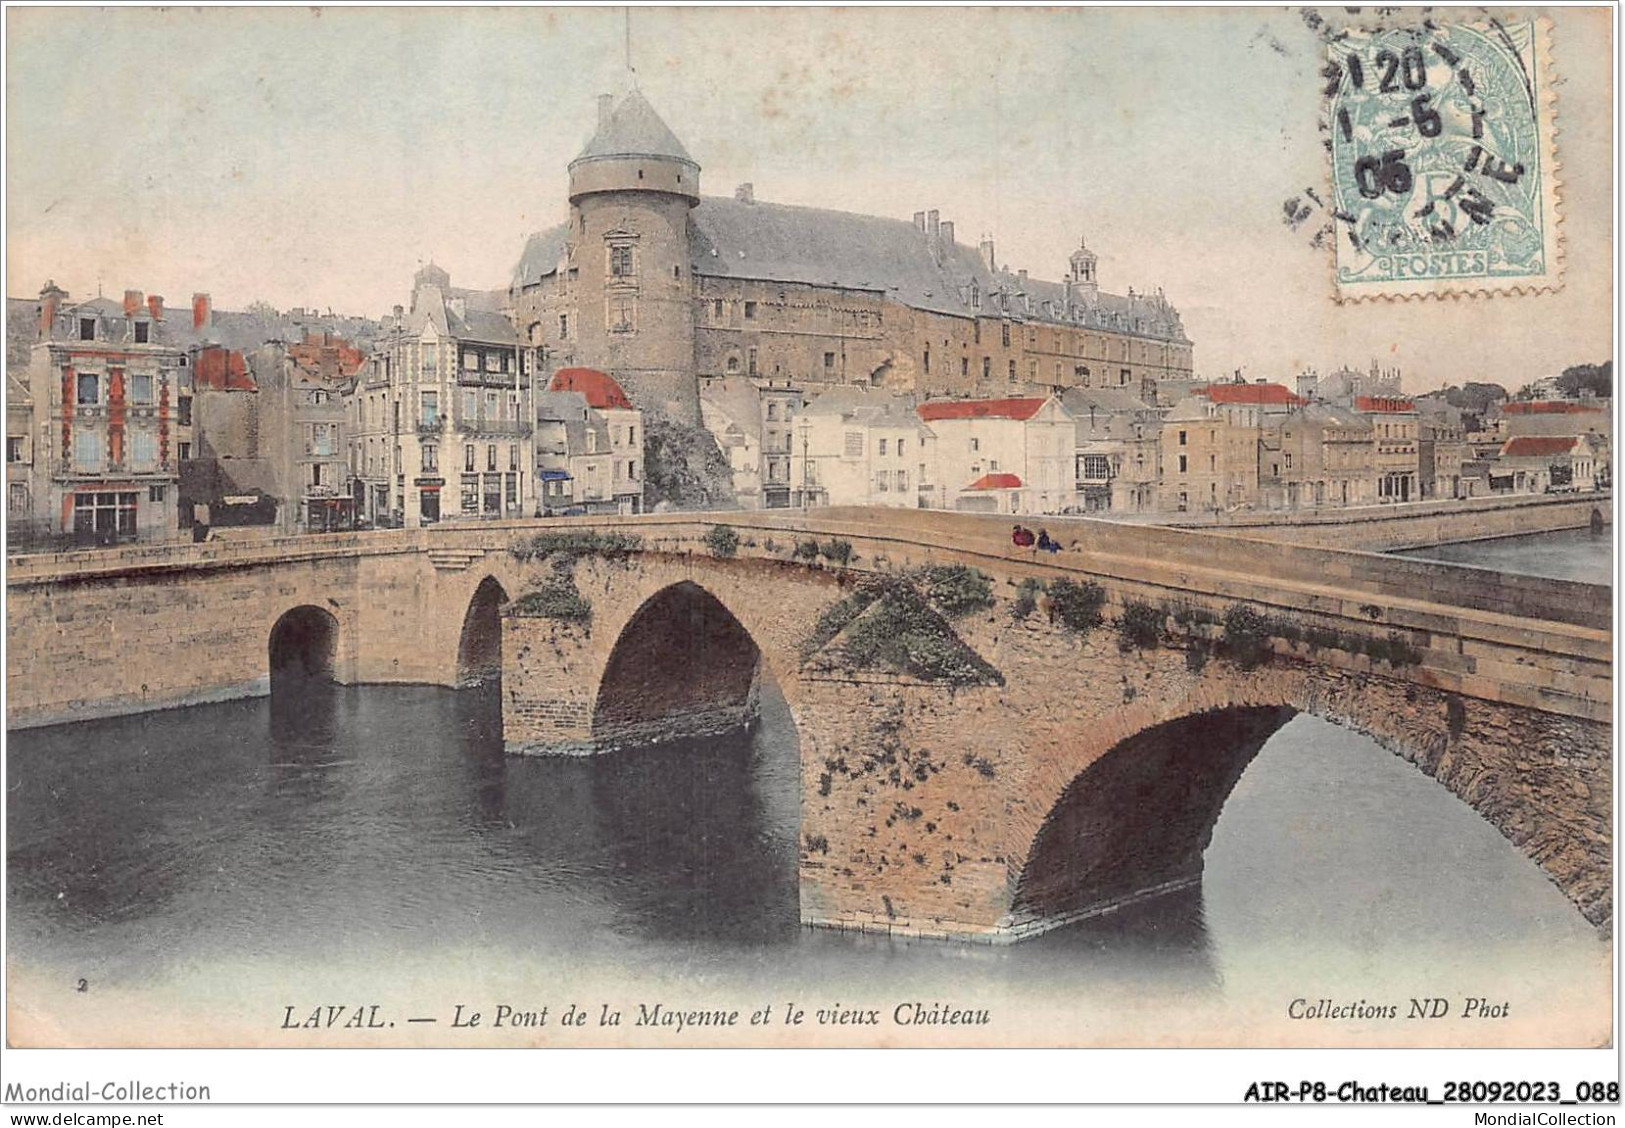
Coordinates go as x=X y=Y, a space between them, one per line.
x=1443 y=170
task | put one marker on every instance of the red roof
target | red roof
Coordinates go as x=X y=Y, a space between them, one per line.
x=1382 y=403
x=1548 y=407
x=600 y=389
x=1023 y=408
x=1251 y=393
x=1537 y=446
x=996 y=482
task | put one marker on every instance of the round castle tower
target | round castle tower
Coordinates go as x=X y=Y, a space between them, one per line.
x=630 y=192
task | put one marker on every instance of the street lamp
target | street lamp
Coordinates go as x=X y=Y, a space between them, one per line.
x=805 y=429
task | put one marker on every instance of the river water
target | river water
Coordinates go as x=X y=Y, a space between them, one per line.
x=200 y=875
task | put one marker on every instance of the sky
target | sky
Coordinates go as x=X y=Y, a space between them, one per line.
x=316 y=157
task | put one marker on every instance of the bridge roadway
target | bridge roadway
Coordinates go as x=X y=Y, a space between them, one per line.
x=987 y=811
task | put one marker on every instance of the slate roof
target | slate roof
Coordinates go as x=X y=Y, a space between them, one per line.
x=633 y=129
x=769 y=242
x=874 y=406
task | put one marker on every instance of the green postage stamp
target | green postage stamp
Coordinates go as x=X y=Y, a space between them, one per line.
x=1443 y=169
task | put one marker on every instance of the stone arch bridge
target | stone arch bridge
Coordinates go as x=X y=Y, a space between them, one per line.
x=975 y=721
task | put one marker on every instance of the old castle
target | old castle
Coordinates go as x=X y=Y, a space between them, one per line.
x=661 y=286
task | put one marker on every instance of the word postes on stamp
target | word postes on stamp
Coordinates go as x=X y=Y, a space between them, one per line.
x=1443 y=170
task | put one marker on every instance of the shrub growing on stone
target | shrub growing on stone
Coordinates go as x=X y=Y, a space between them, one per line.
x=558 y=598
x=1246 y=635
x=1076 y=604
x=572 y=544
x=722 y=540
x=806 y=550
x=837 y=551
x=1026 y=598
x=957 y=589
x=1141 y=626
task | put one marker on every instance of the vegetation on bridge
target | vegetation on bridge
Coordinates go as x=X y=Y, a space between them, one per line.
x=573 y=544
x=890 y=623
x=557 y=597
x=723 y=541
x=1246 y=635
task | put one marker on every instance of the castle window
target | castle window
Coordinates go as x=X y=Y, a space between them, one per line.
x=87 y=328
x=829 y=360
x=751 y=366
x=987 y=368
x=928 y=361
x=750 y=311
x=977 y=331
x=733 y=364
x=1005 y=333
x=676 y=272
x=620 y=261
x=716 y=309
x=1012 y=371
x=564 y=327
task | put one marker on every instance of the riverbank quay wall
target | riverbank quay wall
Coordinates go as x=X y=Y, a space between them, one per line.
x=989 y=808
x=1418 y=524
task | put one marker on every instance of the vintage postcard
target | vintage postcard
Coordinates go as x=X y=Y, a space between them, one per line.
x=601 y=527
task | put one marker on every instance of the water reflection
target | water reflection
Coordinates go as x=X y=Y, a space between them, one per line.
x=354 y=824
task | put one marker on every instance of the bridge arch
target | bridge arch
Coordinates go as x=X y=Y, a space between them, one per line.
x=682 y=666
x=303 y=646
x=1131 y=812
x=479 y=641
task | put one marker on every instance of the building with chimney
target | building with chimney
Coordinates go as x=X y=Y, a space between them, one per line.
x=660 y=286
x=106 y=380
x=442 y=414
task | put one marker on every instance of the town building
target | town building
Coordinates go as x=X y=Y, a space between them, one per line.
x=442 y=413
x=1441 y=450
x=753 y=423
x=1546 y=464
x=1317 y=455
x=1210 y=455
x=105 y=437
x=1118 y=450
x=1014 y=455
x=1396 y=460
x=589 y=446
x=660 y=286
x=855 y=445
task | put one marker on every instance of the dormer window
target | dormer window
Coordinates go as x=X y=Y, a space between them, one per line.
x=87 y=328
x=143 y=332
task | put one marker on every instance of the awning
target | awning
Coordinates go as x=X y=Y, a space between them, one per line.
x=555 y=475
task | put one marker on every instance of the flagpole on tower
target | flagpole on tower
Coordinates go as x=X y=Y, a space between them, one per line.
x=630 y=69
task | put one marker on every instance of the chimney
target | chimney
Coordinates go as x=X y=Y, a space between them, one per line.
x=919 y=222
x=399 y=312
x=948 y=233
x=745 y=193
x=133 y=301
x=986 y=247
x=155 y=306
x=606 y=106
x=1022 y=274
x=51 y=298
x=202 y=312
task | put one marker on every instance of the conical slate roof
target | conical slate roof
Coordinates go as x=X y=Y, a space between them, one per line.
x=635 y=130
